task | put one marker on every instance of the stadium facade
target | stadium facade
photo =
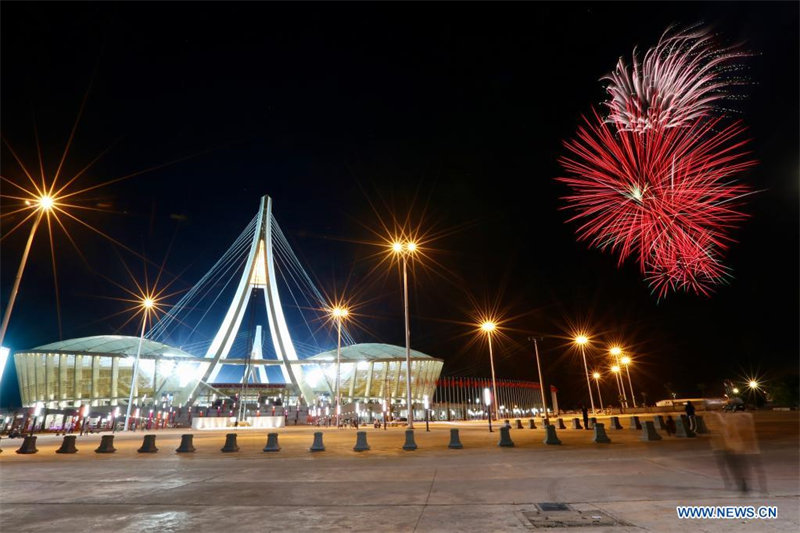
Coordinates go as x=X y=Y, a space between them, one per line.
x=97 y=371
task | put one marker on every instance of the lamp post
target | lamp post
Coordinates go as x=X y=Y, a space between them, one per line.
x=581 y=341
x=487 y=399
x=596 y=377
x=45 y=204
x=615 y=371
x=147 y=304
x=427 y=407
x=338 y=313
x=541 y=380
x=615 y=352
x=404 y=249
x=625 y=360
x=489 y=327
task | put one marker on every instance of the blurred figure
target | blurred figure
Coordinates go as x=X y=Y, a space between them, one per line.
x=735 y=447
x=669 y=424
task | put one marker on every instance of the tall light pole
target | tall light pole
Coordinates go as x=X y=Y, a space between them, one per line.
x=338 y=314
x=147 y=304
x=45 y=204
x=404 y=249
x=596 y=377
x=625 y=360
x=487 y=399
x=541 y=381
x=581 y=341
x=615 y=370
x=489 y=327
x=615 y=352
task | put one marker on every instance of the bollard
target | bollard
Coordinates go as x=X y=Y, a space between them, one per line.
x=317 y=445
x=505 y=437
x=361 y=442
x=550 y=435
x=410 y=444
x=531 y=424
x=659 y=423
x=682 y=428
x=702 y=429
x=649 y=432
x=106 y=444
x=272 y=443
x=230 y=443
x=635 y=423
x=592 y=422
x=561 y=424
x=519 y=423
x=576 y=423
x=28 y=445
x=186 y=444
x=68 y=445
x=600 y=434
x=455 y=443
x=615 y=423
x=148 y=444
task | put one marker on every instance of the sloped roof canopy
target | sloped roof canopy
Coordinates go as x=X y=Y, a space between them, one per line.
x=110 y=344
x=371 y=352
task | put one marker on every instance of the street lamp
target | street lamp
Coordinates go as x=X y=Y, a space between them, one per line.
x=541 y=381
x=404 y=249
x=596 y=377
x=147 y=305
x=427 y=406
x=625 y=360
x=489 y=327
x=339 y=314
x=615 y=352
x=581 y=341
x=487 y=399
x=753 y=384
x=44 y=204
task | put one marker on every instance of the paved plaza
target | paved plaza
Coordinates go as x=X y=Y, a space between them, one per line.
x=627 y=485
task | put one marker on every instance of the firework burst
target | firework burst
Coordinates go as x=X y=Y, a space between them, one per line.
x=679 y=80
x=655 y=179
x=665 y=196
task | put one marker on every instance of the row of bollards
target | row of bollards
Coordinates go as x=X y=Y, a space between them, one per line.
x=648 y=429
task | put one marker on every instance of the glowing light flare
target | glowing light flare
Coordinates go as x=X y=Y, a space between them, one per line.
x=615 y=351
x=625 y=360
x=488 y=326
x=580 y=340
x=615 y=369
x=339 y=312
x=753 y=384
x=596 y=375
x=46 y=202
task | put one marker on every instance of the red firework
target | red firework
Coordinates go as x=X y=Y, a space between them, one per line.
x=665 y=195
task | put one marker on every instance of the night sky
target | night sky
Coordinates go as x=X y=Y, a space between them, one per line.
x=450 y=115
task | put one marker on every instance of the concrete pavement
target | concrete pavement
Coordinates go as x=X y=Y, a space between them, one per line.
x=627 y=485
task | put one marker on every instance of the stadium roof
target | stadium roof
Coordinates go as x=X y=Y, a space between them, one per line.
x=110 y=345
x=371 y=352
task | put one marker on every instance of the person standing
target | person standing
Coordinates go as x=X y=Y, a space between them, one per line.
x=690 y=415
x=585 y=414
